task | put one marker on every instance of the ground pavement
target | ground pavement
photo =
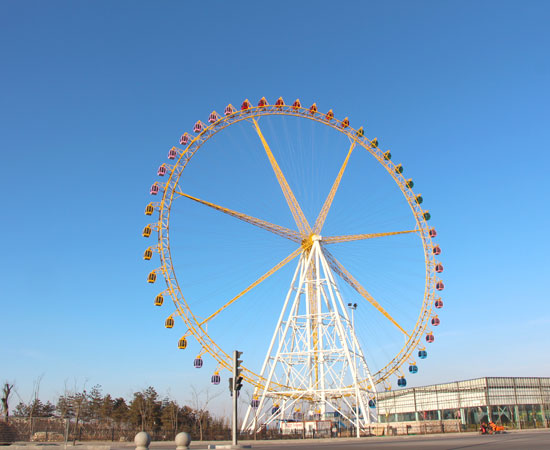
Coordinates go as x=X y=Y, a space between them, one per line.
x=513 y=440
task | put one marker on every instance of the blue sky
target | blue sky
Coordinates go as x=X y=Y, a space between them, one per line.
x=95 y=93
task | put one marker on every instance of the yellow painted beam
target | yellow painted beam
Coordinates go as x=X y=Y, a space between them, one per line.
x=253 y=285
x=276 y=229
x=348 y=278
x=328 y=202
x=295 y=209
x=359 y=237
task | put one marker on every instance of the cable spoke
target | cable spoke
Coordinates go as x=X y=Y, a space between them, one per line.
x=295 y=209
x=256 y=283
x=328 y=202
x=277 y=229
x=348 y=278
x=359 y=237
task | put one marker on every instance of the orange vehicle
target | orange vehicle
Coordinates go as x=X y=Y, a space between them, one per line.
x=494 y=428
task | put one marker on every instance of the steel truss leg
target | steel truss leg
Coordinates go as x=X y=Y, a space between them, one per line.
x=314 y=357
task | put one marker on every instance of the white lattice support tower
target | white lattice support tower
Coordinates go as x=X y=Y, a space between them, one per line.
x=314 y=362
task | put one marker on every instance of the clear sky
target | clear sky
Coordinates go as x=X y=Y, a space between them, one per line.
x=94 y=93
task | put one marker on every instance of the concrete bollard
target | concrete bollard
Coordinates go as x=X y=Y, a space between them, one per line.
x=142 y=440
x=182 y=441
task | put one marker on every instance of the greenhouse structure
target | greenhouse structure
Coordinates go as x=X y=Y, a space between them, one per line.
x=514 y=402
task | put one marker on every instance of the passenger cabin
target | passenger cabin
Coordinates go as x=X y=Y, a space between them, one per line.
x=387 y=155
x=433 y=233
x=147 y=231
x=154 y=189
x=329 y=115
x=152 y=277
x=430 y=338
x=401 y=382
x=161 y=170
x=435 y=321
x=229 y=110
x=172 y=153
x=313 y=109
x=344 y=123
x=280 y=102
x=399 y=168
x=169 y=323
x=413 y=368
x=255 y=403
x=418 y=199
x=182 y=343
x=215 y=379
x=159 y=300
x=436 y=250
x=198 y=127
x=427 y=215
x=422 y=354
x=213 y=117
x=410 y=183
x=374 y=142
x=246 y=105
x=198 y=362
x=296 y=105
x=438 y=303
x=439 y=268
x=372 y=403
x=439 y=285
x=275 y=409
x=184 y=139
x=148 y=254
x=149 y=209
x=360 y=132
x=262 y=103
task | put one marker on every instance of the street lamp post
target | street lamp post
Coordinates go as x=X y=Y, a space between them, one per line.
x=353 y=307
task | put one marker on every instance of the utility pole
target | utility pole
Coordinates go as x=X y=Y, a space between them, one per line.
x=353 y=307
x=235 y=385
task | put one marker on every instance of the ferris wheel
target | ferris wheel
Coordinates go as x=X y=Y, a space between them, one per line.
x=319 y=359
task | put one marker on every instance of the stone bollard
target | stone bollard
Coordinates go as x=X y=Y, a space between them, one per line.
x=142 y=440
x=182 y=441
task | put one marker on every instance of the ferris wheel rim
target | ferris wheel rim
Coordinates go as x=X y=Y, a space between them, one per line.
x=167 y=269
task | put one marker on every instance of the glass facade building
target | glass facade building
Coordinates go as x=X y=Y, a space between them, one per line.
x=514 y=402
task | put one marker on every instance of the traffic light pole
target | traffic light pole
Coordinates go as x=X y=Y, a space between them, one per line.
x=235 y=387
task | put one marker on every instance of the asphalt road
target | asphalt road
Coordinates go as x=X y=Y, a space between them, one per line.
x=534 y=440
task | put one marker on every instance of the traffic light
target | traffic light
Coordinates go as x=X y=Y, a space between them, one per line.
x=231 y=386
x=238 y=363
x=237 y=369
x=239 y=384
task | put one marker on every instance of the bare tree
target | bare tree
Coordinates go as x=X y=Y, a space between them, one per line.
x=33 y=403
x=6 y=392
x=199 y=402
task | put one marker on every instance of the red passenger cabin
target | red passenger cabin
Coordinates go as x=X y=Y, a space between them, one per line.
x=246 y=105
